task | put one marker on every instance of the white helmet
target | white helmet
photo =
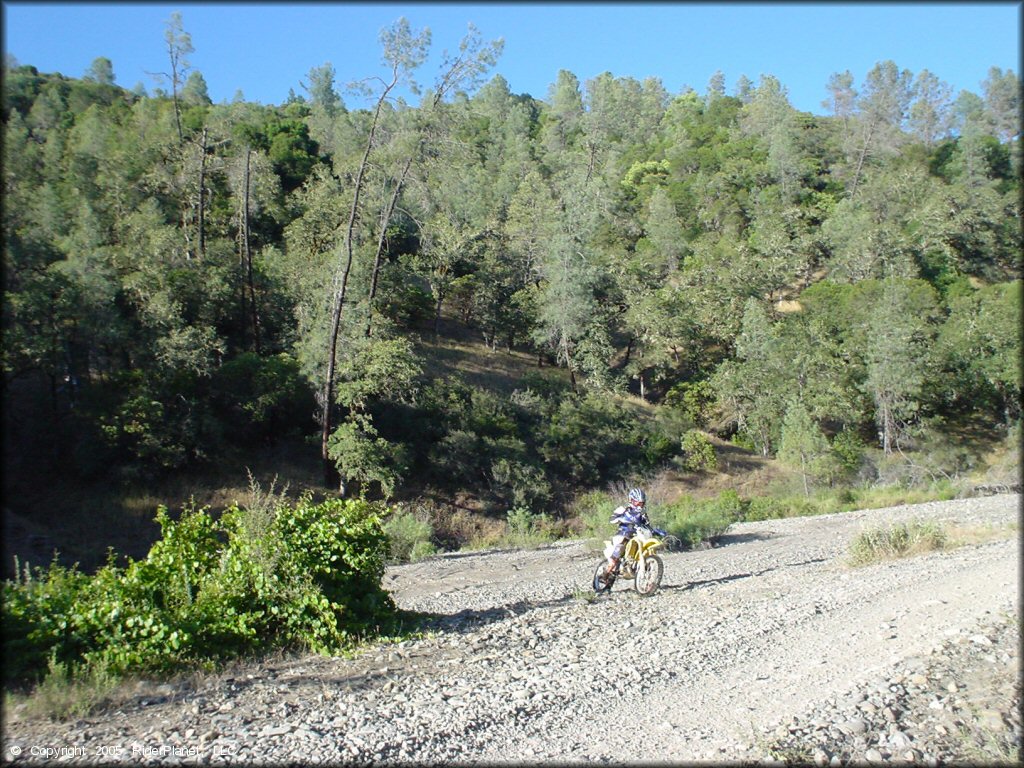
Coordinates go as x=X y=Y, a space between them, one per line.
x=637 y=498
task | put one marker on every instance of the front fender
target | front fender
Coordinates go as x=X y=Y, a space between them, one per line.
x=650 y=546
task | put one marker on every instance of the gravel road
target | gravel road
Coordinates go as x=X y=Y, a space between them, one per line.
x=766 y=647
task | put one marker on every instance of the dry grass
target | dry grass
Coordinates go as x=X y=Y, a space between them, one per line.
x=747 y=473
x=470 y=530
x=920 y=537
x=498 y=371
x=1001 y=465
x=897 y=540
x=973 y=535
x=61 y=697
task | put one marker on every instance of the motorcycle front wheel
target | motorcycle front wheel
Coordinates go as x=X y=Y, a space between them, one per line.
x=672 y=543
x=599 y=585
x=648 y=578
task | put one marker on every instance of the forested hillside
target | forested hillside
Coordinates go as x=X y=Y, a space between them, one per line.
x=186 y=283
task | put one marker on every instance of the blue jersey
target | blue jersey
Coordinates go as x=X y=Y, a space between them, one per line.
x=628 y=519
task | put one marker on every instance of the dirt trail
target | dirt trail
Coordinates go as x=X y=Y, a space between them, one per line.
x=526 y=666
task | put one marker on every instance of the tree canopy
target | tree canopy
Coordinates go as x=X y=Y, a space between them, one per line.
x=185 y=279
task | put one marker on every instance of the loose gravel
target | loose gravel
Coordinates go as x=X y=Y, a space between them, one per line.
x=768 y=647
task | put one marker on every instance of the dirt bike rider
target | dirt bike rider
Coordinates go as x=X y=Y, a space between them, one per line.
x=627 y=518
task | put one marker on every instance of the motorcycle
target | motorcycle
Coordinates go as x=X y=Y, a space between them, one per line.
x=639 y=562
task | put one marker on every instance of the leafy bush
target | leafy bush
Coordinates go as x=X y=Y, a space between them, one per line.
x=695 y=400
x=728 y=505
x=409 y=536
x=261 y=397
x=61 y=695
x=532 y=446
x=364 y=458
x=139 y=430
x=696 y=522
x=593 y=510
x=457 y=456
x=657 y=447
x=526 y=528
x=849 y=450
x=775 y=507
x=591 y=439
x=765 y=508
x=894 y=495
x=698 y=452
x=405 y=302
x=309 y=576
x=744 y=441
x=36 y=611
x=522 y=484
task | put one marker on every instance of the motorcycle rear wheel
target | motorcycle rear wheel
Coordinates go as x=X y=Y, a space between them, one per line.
x=648 y=578
x=600 y=586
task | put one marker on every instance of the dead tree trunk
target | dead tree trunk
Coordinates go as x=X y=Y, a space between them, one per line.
x=342 y=286
x=385 y=220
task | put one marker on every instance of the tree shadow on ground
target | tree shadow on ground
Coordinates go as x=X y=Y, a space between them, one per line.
x=727 y=539
x=471 y=619
x=738 y=576
x=734 y=459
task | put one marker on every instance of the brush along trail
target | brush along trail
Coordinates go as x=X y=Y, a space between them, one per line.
x=769 y=645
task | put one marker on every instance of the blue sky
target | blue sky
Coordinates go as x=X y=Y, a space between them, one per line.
x=265 y=49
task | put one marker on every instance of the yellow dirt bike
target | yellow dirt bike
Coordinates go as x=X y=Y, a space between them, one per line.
x=638 y=562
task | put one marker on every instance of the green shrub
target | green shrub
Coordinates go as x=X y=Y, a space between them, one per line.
x=728 y=505
x=404 y=302
x=847 y=498
x=364 y=458
x=775 y=507
x=658 y=447
x=592 y=511
x=457 y=457
x=744 y=441
x=527 y=529
x=342 y=545
x=699 y=522
x=893 y=495
x=765 y=508
x=695 y=400
x=700 y=527
x=409 y=536
x=62 y=695
x=37 y=620
x=590 y=439
x=520 y=483
x=531 y=446
x=140 y=430
x=309 y=576
x=698 y=452
x=261 y=398
x=849 y=451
